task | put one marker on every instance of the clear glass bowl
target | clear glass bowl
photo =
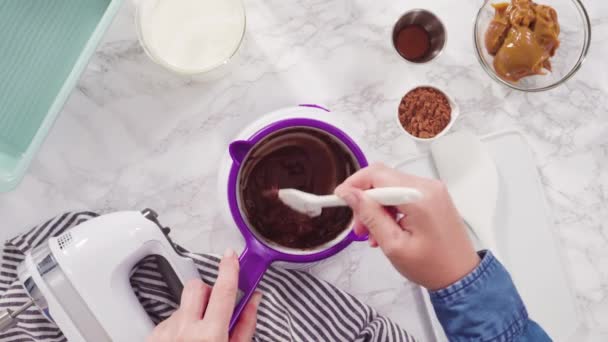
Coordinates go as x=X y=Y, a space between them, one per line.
x=575 y=38
x=143 y=7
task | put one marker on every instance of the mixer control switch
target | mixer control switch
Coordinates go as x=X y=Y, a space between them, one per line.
x=153 y=216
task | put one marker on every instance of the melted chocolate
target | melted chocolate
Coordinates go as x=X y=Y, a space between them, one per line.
x=305 y=159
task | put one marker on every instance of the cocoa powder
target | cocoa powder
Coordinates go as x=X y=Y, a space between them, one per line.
x=424 y=112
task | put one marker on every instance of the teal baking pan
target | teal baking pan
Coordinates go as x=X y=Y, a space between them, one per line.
x=44 y=47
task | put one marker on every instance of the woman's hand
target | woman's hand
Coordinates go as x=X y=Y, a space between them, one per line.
x=204 y=313
x=429 y=245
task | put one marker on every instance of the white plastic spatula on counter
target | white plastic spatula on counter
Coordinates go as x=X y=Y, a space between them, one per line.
x=467 y=169
x=312 y=205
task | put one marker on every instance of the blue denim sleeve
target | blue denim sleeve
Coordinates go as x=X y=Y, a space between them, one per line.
x=485 y=306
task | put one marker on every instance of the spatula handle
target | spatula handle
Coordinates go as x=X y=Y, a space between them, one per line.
x=389 y=196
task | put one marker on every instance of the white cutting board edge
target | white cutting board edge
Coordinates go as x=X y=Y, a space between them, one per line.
x=552 y=245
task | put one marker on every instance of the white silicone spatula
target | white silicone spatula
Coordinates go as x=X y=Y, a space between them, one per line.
x=312 y=205
x=469 y=172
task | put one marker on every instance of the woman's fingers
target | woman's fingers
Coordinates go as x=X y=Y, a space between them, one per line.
x=379 y=175
x=162 y=332
x=381 y=225
x=223 y=295
x=205 y=313
x=372 y=242
x=194 y=300
x=245 y=327
x=359 y=228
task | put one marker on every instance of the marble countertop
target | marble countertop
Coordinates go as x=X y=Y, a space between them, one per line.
x=132 y=135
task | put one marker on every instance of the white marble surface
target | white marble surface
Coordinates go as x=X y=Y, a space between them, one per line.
x=132 y=135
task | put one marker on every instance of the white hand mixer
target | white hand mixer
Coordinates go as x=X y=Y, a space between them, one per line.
x=80 y=279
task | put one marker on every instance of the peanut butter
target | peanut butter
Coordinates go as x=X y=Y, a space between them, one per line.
x=522 y=37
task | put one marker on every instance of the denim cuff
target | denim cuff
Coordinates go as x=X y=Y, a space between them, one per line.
x=482 y=306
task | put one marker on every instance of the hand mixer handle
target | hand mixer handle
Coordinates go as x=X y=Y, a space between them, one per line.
x=140 y=324
x=176 y=271
x=182 y=267
x=253 y=264
x=103 y=281
x=170 y=263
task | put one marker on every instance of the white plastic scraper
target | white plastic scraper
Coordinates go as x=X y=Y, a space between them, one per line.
x=312 y=205
x=467 y=169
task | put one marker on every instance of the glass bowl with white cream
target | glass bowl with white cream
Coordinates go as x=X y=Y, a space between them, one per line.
x=190 y=37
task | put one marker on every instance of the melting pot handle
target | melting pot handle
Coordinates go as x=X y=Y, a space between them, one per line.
x=253 y=264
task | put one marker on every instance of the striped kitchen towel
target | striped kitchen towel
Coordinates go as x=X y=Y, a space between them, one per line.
x=296 y=306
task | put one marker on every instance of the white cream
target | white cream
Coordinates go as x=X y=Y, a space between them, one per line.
x=191 y=36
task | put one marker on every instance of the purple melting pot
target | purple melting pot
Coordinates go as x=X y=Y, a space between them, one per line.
x=259 y=252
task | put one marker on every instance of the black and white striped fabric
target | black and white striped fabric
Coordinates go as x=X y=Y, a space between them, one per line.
x=295 y=307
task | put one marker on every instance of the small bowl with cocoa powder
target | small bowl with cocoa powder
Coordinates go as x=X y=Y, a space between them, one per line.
x=425 y=113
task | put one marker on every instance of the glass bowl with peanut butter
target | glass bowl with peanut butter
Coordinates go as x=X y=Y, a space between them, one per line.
x=532 y=45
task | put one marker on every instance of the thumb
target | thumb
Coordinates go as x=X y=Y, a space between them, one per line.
x=372 y=215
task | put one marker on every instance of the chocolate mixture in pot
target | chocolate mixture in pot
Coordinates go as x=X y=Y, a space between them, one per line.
x=302 y=158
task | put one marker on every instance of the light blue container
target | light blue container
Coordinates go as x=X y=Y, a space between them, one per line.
x=44 y=47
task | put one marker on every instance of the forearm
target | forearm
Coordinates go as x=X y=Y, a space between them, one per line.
x=485 y=306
